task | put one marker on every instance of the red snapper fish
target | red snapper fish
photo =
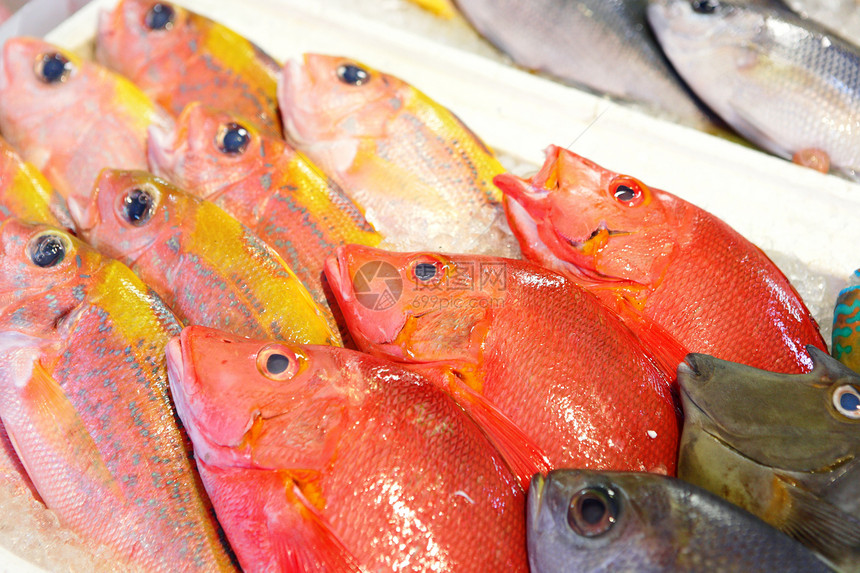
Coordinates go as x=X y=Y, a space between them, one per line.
x=658 y=259
x=177 y=57
x=84 y=398
x=71 y=118
x=541 y=350
x=325 y=459
x=267 y=185
x=208 y=268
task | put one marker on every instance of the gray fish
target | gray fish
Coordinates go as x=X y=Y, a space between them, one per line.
x=841 y=16
x=580 y=520
x=782 y=82
x=783 y=446
x=603 y=45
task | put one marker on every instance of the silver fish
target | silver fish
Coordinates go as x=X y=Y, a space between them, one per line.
x=580 y=520
x=782 y=82
x=841 y=16
x=785 y=447
x=603 y=45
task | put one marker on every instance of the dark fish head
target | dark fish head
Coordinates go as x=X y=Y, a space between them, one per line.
x=582 y=520
x=798 y=423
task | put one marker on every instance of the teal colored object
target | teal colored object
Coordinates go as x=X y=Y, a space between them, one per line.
x=845 y=343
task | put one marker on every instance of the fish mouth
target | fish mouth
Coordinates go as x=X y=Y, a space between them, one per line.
x=175 y=366
x=596 y=240
x=84 y=213
x=337 y=273
x=160 y=150
x=291 y=80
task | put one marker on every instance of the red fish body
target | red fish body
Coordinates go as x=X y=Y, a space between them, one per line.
x=668 y=262
x=206 y=266
x=178 y=57
x=325 y=459
x=544 y=352
x=71 y=118
x=267 y=185
x=84 y=398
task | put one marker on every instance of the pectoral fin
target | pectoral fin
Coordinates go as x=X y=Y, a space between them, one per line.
x=820 y=525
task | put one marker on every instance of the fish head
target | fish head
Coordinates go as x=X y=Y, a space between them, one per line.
x=581 y=520
x=786 y=422
x=45 y=274
x=207 y=150
x=260 y=404
x=576 y=216
x=690 y=31
x=415 y=307
x=126 y=212
x=325 y=98
x=138 y=32
x=35 y=72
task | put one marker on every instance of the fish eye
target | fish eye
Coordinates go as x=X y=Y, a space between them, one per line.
x=627 y=191
x=846 y=400
x=424 y=271
x=232 y=139
x=704 y=6
x=53 y=68
x=352 y=75
x=47 y=250
x=592 y=511
x=138 y=206
x=277 y=363
x=160 y=17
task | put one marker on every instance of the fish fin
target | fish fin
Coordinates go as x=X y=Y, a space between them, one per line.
x=303 y=540
x=820 y=525
x=664 y=350
x=522 y=455
x=58 y=452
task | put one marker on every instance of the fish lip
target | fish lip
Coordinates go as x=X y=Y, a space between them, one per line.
x=337 y=273
x=288 y=86
x=161 y=149
x=84 y=213
x=175 y=366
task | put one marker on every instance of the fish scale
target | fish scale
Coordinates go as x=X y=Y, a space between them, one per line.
x=380 y=470
x=85 y=401
x=26 y=194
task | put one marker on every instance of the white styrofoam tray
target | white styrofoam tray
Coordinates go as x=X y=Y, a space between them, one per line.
x=805 y=220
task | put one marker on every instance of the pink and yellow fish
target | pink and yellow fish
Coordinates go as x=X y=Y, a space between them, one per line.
x=84 y=398
x=178 y=57
x=268 y=186
x=208 y=267
x=71 y=118
x=422 y=178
